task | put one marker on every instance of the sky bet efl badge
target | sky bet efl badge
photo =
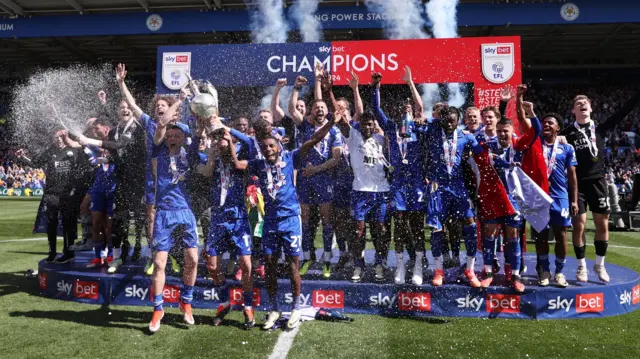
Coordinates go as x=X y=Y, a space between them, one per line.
x=174 y=67
x=498 y=62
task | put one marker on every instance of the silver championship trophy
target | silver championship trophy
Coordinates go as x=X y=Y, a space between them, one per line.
x=204 y=103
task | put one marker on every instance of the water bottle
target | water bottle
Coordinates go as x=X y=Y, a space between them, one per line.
x=331 y=316
x=91 y=156
x=405 y=124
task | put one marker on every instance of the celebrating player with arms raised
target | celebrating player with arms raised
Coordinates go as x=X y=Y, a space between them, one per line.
x=282 y=226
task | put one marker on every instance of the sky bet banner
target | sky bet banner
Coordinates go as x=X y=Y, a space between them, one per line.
x=591 y=300
x=489 y=63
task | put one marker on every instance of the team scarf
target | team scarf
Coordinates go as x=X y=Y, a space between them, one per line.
x=591 y=140
x=273 y=186
x=550 y=161
x=450 y=149
x=225 y=175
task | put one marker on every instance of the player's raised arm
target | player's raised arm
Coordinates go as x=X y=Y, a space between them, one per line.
x=417 y=100
x=357 y=99
x=239 y=165
x=573 y=189
x=278 y=112
x=161 y=130
x=523 y=120
x=121 y=74
x=317 y=88
x=297 y=117
x=320 y=134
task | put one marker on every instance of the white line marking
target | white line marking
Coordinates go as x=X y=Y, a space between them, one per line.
x=623 y=247
x=284 y=343
x=24 y=240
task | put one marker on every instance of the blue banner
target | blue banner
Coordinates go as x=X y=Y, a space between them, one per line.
x=585 y=300
x=330 y=17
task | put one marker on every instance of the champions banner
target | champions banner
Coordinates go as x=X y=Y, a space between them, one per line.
x=486 y=62
x=20 y=192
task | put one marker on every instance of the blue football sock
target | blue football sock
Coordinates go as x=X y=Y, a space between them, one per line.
x=97 y=250
x=110 y=250
x=560 y=264
x=488 y=249
x=157 y=302
x=187 y=294
x=515 y=253
x=470 y=239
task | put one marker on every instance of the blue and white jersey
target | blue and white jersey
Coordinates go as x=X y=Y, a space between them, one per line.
x=171 y=171
x=558 y=158
x=446 y=153
x=276 y=184
x=104 y=179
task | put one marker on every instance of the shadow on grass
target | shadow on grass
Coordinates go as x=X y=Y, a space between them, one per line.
x=16 y=282
x=104 y=317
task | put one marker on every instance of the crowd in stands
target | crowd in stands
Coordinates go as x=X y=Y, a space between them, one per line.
x=14 y=176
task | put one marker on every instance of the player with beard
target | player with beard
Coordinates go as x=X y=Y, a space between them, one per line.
x=448 y=197
x=61 y=164
x=370 y=196
x=315 y=182
x=588 y=141
x=406 y=157
x=161 y=106
x=282 y=226
x=563 y=185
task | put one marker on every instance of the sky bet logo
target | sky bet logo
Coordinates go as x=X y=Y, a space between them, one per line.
x=81 y=289
x=42 y=279
x=332 y=299
x=470 y=302
x=590 y=303
x=382 y=300
x=500 y=50
x=326 y=49
x=503 y=303
x=236 y=297
x=414 y=302
x=170 y=294
x=136 y=292
x=176 y=59
x=631 y=298
x=560 y=304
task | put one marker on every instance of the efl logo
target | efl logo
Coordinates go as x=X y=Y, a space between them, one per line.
x=42 y=279
x=590 y=303
x=170 y=294
x=328 y=299
x=503 y=303
x=635 y=295
x=186 y=58
x=419 y=302
x=85 y=290
x=504 y=50
x=236 y=297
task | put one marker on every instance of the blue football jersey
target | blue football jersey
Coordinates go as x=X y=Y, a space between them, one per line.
x=276 y=184
x=171 y=171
